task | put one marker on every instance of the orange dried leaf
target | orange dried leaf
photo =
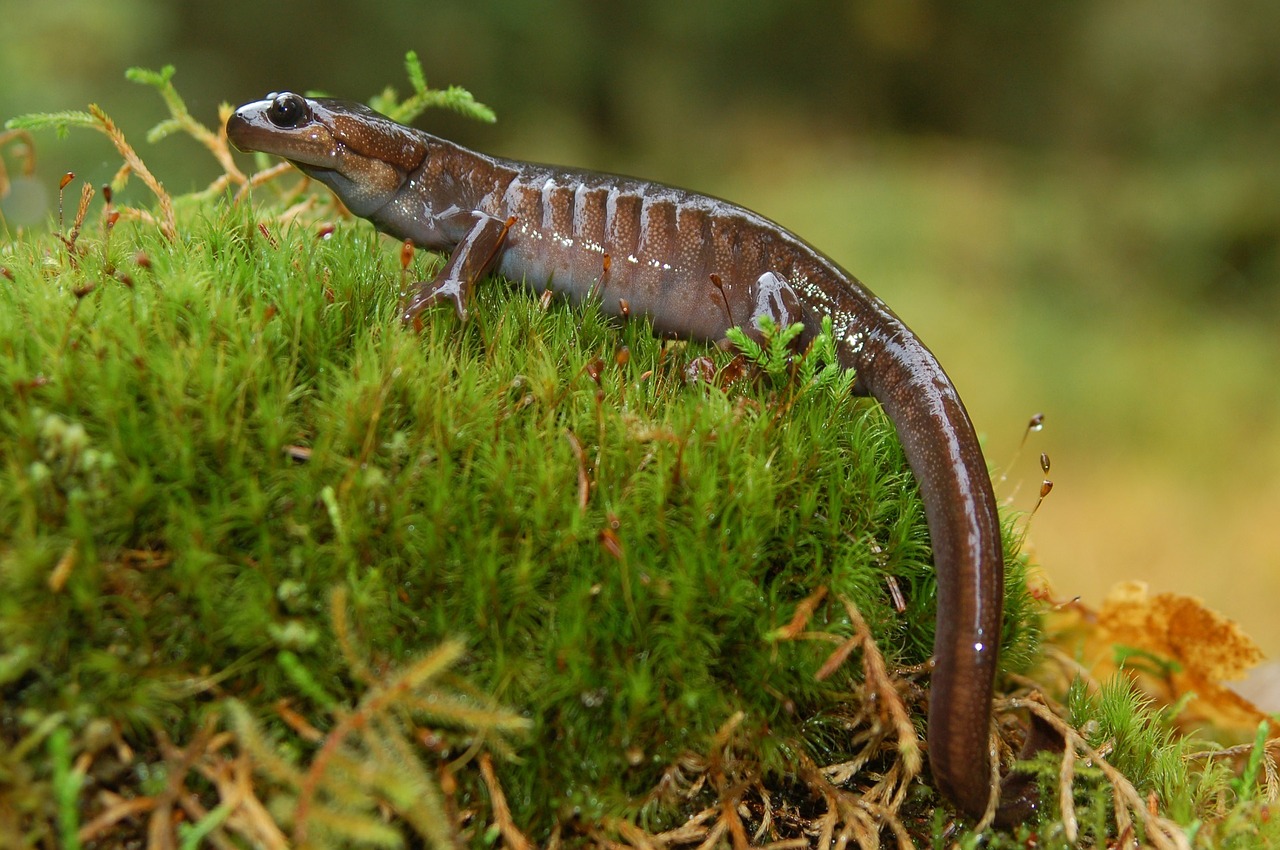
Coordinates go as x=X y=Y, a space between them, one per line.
x=1203 y=641
x=1207 y=649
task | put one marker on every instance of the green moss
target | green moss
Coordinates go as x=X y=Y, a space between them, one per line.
x=150 y=436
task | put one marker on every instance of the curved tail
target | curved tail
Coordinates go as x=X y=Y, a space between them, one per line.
x=896 y=368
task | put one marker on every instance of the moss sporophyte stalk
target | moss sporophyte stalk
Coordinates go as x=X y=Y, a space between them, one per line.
x=278 y=570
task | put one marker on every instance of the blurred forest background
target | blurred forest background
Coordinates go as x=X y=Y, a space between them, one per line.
x=1076 y=204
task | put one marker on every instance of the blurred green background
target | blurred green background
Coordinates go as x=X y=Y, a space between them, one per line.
x=1077 y=204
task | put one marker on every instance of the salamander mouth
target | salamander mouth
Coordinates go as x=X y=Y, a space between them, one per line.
x=316 y=172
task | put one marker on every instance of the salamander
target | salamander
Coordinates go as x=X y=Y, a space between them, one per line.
x=695 y=266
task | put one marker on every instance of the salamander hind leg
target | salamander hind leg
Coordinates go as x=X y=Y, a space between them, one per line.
x=772 y=297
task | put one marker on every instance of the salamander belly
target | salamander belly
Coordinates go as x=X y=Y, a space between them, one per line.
x=680 y=302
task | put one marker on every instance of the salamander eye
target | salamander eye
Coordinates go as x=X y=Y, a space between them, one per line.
x=289 y=110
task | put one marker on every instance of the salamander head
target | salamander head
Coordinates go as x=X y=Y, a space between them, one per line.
x=362 y=155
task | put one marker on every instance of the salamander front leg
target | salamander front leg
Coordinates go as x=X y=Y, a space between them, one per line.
x=473 y=257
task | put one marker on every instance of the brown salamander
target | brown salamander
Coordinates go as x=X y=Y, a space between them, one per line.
x=694 y=266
